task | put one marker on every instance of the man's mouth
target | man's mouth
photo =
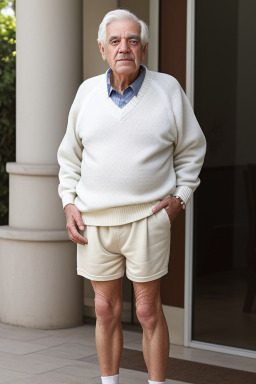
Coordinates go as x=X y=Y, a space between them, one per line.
x=124 y=60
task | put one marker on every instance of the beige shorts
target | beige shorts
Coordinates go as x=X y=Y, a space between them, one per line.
x=141 y=248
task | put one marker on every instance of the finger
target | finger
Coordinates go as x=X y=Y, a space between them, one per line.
x=173 y=212
x=80 y=239
x=159 y=206
x=75 y=234
x=79 y=222
x=77 y=241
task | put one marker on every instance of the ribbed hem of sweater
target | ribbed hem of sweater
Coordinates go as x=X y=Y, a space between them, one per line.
x=119 y=215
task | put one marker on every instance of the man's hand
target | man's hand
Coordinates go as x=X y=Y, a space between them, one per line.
x=172 y=205
x=74 y=221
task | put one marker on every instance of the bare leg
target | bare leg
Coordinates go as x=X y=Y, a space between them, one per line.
x=155 y=342
x=108 y=331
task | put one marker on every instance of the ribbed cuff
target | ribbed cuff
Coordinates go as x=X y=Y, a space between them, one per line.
x=184 y=193
x=68 y=199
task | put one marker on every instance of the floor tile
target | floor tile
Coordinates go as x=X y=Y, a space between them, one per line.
x=131 y=336
x=12 y=332
x=69 y=356
x=136 y=345
x=51 y=378
x=51 y=341
x=54 y=340
x=83 y=339
x=83 y=329
x=33 y=363
x=81 y=369
x=72 y=351
x=91 y=359
x=7 y=375
x=19 y=347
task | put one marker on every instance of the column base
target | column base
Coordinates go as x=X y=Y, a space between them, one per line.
x=39 y=286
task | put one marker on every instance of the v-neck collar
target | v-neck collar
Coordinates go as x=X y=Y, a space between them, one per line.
x=135 y=85
x=121 y=113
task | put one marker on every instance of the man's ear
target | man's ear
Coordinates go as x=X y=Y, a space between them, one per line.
x=102 y=51
x=144 y=51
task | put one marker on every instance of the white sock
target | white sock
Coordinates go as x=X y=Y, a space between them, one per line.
x=110 y=379
x=156 y=382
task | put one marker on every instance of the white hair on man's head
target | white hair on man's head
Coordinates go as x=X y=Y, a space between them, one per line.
x=121 y=14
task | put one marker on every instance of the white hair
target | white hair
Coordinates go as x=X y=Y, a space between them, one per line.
x=121 y=14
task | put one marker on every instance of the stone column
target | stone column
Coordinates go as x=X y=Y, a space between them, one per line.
x=39 y=287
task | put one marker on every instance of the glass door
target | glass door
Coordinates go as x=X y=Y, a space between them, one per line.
x=224 y=261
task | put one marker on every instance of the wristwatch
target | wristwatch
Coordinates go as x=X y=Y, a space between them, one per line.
x=181 y=201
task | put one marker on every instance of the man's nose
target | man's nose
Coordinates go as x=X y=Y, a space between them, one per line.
x=124 y=47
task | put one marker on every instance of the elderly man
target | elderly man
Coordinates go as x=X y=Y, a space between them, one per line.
x=129 y=163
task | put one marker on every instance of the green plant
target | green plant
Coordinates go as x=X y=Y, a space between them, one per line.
x=3 y=4
x=7 y=104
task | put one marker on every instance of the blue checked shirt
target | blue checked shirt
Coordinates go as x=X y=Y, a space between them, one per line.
x=132 y=90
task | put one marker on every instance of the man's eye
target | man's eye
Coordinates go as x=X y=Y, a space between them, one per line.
x=134 y=41
x=114 y=41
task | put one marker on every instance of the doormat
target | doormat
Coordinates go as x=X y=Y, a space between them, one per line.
x=190 y=371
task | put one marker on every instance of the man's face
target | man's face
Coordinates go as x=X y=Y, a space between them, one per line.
x=123 y=49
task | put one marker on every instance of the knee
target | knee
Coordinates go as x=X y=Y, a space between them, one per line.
x=106 y=309
x=147 y=314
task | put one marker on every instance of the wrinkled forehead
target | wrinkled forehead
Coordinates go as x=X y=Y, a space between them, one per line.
x=123 y=28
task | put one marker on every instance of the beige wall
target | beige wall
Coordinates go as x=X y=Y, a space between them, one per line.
x=94 y=11
x=140 y=8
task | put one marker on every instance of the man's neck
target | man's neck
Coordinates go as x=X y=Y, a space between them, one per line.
x=120 y=82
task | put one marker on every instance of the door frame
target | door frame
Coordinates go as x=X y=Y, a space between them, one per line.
x=188 y=289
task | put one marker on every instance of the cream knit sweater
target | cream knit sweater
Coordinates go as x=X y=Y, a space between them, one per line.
x=117 y=164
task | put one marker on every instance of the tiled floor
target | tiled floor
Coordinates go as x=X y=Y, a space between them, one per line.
x=69 y=356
